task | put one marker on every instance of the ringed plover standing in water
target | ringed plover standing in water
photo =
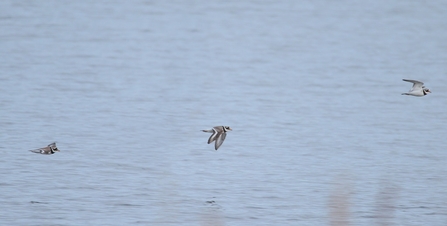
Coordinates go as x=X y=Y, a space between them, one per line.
x=219 y=134
x=50 y=149
x=418 y=88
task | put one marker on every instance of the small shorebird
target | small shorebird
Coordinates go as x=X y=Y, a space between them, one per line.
x=418 y=88
x=219 y=134
x=48 y=150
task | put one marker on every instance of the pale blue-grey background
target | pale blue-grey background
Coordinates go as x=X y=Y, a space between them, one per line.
x=321 y=134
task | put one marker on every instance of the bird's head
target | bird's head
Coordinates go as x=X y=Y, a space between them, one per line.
x=227 y=128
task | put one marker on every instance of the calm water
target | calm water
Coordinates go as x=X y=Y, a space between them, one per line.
x=321 y=134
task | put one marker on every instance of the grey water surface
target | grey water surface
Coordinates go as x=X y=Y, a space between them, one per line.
x=312 y=89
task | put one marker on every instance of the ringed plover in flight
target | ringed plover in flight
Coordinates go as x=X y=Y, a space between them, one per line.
x=48 y=150
x=219 y=134
x=418 y=88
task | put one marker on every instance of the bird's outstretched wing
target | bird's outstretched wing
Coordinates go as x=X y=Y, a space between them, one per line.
x=416 y=84
x=220 y=139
